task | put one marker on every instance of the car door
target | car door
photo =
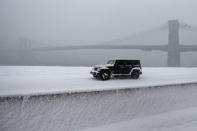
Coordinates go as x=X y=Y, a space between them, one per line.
x=126 y=69
x=118 y=67
x=122 y=67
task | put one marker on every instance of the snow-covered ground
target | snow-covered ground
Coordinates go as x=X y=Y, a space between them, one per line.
x=147 y=109
x=15 y=80
x=181 y=120
x=170 y=108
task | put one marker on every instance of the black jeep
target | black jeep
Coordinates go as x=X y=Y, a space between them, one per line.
x=117 y=67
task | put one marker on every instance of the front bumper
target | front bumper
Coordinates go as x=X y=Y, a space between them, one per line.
x=94 y=73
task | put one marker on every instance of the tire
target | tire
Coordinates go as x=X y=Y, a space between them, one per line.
x=135 y=75
x=105 y=75
x=94 y=76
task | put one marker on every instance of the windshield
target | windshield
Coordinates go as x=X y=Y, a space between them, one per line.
x=111 y=62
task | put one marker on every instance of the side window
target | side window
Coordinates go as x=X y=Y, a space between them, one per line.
x=129 y=64
x=122 y=64
x=118 y=64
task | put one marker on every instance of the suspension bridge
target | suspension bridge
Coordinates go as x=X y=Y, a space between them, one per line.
x=172 y=46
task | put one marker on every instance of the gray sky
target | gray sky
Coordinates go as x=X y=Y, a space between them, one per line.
x=87 y=21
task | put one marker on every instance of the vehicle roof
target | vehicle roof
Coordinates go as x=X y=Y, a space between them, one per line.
x=125 y=59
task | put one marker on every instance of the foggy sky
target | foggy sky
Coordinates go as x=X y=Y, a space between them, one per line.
x=68 y=22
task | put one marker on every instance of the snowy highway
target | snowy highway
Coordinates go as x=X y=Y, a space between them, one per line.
x=20 y=80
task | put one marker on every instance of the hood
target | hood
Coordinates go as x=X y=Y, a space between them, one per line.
x=103 y=66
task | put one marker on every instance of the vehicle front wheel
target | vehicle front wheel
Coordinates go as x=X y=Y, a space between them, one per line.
x=105 y=75
x=135 y=75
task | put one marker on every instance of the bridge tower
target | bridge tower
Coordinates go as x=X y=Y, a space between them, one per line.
x=173 y=43
x=25 y=53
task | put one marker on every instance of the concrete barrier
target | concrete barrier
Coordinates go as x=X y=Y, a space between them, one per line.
x=79 y=110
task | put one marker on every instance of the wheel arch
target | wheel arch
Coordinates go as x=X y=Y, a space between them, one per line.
x=135 y=69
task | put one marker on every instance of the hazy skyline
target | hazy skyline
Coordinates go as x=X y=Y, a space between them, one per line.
x=66 y=22
x=88 y=22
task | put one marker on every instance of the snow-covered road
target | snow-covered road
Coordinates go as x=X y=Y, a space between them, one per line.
x=172 y=107
x=18 y=80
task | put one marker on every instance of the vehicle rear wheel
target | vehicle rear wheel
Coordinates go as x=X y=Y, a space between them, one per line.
x=135 y=75
x=105 y=75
